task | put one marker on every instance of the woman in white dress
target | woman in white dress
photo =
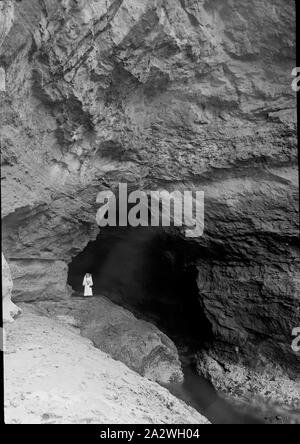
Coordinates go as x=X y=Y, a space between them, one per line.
x=88 y=283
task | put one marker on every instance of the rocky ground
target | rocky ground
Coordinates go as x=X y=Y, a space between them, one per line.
x=138 y=344
x=55 y=376
x=245 y=395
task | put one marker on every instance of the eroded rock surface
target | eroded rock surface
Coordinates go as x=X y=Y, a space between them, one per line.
x=266 y=387
x=138 y=344
x=175 y=94
x=36 y=279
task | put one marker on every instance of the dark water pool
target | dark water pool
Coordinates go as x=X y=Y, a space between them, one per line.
x=201 y=395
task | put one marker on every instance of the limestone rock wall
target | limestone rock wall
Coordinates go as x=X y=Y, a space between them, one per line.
x=174 y=94
x=36 y=279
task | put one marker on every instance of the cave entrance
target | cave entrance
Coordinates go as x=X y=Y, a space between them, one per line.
x=150 y=272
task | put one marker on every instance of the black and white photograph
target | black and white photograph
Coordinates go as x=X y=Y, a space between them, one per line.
x=149 y=215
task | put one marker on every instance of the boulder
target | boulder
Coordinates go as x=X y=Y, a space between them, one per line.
x=10 y=310
x=113 y=329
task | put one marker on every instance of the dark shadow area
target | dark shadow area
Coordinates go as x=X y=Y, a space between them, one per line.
x=200 y=394
x=151 y=272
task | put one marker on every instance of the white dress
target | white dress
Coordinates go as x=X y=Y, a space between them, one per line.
x=88 y=283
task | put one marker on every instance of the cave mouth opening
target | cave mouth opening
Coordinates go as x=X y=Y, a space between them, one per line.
x=149 y=271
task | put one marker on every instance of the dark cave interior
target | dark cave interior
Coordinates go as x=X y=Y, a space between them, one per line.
x=148 y=271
